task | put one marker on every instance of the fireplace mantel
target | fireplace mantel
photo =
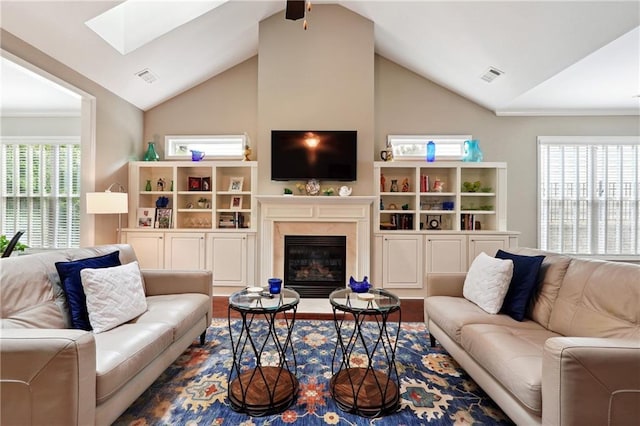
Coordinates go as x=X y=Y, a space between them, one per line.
x=314 y=215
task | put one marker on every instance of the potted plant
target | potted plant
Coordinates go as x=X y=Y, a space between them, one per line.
x=202 y=202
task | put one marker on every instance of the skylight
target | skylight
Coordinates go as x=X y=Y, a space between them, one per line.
x=134 y=23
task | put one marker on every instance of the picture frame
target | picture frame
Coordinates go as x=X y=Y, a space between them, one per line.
x=195 y=183
x=146 y=217
x=206 y=184
x=163 y=218
x=236 y=202
x=235 y=184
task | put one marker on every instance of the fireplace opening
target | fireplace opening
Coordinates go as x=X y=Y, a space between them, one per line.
x=315 y=265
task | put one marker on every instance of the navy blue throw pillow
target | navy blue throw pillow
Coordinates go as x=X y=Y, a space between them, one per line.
x=523 y=283
x=72 y=284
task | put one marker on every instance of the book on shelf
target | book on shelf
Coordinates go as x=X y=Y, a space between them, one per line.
x=231 y=220
x=401 y=221
x=468 y=222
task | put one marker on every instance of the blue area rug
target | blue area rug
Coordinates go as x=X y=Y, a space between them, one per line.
x=434 y=390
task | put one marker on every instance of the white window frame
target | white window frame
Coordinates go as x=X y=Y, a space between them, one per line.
x=594 y=199
x=448 y=147
x=49 y=238
x=215 y=147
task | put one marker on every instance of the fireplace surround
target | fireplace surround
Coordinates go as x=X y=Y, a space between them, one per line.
x=349 y=217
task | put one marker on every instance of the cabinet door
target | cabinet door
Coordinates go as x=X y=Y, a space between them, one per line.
x=184 y=250
x=149 y=248
x=490 y=244
x=402 y=261
x=227 y=259
x=446 y=253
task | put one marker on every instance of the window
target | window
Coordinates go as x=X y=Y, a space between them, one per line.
x=40 y=190
x=219 y=147
x=588 y=190
x=414 y=147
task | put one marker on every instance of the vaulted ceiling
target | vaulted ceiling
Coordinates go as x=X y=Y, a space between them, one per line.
x=558 y=57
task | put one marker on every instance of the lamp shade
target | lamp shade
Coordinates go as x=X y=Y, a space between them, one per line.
x=107 y=202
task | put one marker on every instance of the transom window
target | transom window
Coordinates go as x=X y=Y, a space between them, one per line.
x=414 y=147
x=218 y=147
x=40 y=190
x=588 y=190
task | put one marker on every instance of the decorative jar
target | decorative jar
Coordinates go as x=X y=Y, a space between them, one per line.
x=151 y=154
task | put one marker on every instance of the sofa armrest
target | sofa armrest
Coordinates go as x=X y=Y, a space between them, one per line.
x=590 y=381
x=47 y=377
x=445 y=284
x=164 y=281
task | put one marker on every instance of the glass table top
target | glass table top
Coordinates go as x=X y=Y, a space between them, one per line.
x=246 y=300
x=375 y=300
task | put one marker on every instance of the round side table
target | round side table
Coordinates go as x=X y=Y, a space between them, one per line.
x=262 y=379
x=365 y=377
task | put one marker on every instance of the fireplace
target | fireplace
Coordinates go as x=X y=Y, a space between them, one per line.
x=315 y=265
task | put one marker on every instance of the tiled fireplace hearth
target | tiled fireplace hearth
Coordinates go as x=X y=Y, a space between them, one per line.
x=282 y=216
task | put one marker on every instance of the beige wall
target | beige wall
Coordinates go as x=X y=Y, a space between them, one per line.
x=118 y=127
x=225 y=104
x=319 y=79
x=329 y=77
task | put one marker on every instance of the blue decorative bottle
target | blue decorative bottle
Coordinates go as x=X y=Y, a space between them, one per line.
x=431 y=152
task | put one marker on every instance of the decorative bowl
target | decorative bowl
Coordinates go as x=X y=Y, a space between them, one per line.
x=359 y=286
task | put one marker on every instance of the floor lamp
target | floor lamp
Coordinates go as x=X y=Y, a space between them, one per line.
x=109 y=203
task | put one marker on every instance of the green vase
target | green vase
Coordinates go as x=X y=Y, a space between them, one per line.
x=151 y=154
x=147 y=187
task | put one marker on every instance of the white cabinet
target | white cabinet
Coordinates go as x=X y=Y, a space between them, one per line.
x=184 y=250
x=446 y=253
x=489 y=244
x=402 y=261
x=231 y=258
x=149 y=248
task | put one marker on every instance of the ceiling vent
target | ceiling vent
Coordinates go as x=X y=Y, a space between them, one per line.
x=147 y=75
x=491 y=74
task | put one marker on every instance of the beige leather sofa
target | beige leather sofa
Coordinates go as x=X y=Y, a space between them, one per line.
x=575 y=359
x=53 y=375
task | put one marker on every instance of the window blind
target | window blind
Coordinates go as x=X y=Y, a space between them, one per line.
x=40 y=190
x=589 y=195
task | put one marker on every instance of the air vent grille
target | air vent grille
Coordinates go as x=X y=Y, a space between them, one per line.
x=147 y=75
x=491 y=74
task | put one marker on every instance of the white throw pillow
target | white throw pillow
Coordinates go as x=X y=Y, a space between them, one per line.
x=487 y=282
x=114 y=295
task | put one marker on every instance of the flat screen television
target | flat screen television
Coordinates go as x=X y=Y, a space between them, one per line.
x=314 y=154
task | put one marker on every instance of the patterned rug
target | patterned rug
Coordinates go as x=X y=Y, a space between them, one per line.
x=434 y=390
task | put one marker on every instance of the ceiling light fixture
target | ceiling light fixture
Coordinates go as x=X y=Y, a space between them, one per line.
x=298 y=9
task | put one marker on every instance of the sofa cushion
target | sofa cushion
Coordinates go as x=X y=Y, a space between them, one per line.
x=487 y=282
x=598 y=299
x=114 y=295
x=523 y=283
x=72 y=284
x=552 y=271
x=178 y=311
x=452 y=313
x=513 y=355
x=124 y=351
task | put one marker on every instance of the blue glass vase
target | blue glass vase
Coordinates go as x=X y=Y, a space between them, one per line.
x=472 y=151
x=431 y=152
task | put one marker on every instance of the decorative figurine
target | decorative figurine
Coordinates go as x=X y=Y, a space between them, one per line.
x=247 y=152
x=394 y=185
x=405 y=185
x=160 y=184
x=438 y=186
x=382 y=182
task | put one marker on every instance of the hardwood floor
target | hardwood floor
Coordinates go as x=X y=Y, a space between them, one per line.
x=412 y=311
